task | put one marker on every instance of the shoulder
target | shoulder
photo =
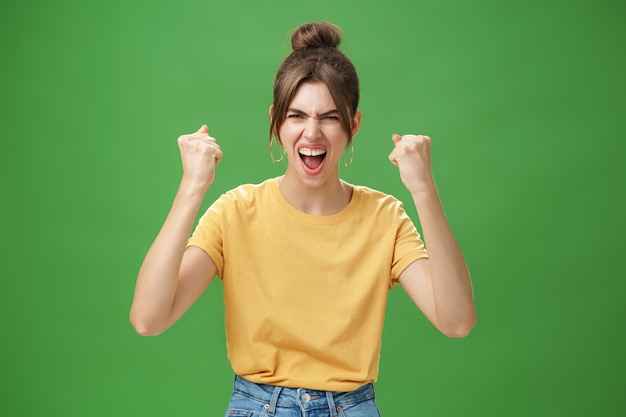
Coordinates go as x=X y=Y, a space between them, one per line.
x=371 y=198
x=239 y=202
x=246 y=194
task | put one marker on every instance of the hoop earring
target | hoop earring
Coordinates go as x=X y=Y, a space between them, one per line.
x=282 y=156
x=343 y=156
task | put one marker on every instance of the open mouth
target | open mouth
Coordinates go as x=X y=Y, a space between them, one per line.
x=312 y=159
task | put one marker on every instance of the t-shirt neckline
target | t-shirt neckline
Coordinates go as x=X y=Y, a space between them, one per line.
x=315 y=219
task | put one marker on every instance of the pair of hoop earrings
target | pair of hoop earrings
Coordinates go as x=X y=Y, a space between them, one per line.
x=282 y=155
x=347 y=164
x=343 y=155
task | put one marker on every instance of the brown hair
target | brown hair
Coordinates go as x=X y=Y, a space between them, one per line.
x=315 y=57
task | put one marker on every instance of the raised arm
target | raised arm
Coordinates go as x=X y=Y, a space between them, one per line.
x=171 y=278
x=440 y=285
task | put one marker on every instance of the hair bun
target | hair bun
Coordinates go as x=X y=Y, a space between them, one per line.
x=316 y=35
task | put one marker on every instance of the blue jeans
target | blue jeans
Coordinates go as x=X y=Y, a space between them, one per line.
x=258 y=400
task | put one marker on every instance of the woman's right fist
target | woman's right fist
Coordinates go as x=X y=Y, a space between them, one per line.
x=200 y=154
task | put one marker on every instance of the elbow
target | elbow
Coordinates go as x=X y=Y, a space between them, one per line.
x=144 y=327
x=146 y=331
x=457 y=333
x=461 y=329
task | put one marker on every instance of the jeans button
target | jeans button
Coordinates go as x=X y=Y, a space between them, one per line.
x=306 y=397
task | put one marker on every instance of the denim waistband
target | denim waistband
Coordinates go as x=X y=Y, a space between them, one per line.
x=306 y=399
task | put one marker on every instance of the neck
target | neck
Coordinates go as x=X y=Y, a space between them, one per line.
x=323 y=200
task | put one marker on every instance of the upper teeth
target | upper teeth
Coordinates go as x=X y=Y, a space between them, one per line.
x=311 y=152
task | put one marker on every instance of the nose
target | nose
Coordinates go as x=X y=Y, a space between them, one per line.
x=312 y=129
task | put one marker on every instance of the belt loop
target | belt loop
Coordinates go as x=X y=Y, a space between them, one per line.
x=331 y=404
x=274 y=400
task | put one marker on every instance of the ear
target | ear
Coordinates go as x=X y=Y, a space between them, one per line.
x=356 y=122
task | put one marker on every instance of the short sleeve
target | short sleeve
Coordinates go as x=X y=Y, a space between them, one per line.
x=409 y=246
x=209 y=233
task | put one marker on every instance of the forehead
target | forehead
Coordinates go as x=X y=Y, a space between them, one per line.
x=313 y=96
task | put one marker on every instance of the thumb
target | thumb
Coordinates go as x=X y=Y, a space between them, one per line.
x=396 y=138
x=203 y=129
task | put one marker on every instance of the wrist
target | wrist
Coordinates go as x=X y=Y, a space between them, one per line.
x=190 y=187
x=423 y=190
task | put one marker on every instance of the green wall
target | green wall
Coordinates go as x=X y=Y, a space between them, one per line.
x=525 y=102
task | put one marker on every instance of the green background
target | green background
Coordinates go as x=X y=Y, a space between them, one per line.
x=524 y=101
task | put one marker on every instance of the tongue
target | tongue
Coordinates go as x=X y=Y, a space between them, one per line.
x=312 y=162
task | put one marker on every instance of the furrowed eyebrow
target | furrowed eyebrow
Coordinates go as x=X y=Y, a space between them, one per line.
x=328 y=113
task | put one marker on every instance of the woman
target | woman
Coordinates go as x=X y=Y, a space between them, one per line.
x=306 y=259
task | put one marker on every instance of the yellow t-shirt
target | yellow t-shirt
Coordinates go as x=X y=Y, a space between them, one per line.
x=304 y=295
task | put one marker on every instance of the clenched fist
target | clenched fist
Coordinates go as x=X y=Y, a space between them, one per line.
x=411 y=154
x=200 y=154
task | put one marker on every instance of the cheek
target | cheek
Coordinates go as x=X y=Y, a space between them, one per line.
x=288 y=131
x=337 y=135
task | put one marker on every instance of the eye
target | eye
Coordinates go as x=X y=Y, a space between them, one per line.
x=331 y=118
x=294 y=116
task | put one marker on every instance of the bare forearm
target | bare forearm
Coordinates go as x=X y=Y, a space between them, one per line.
x=451 y=284
x=158 y=277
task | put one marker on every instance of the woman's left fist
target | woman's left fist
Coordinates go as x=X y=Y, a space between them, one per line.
x=411 y=154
